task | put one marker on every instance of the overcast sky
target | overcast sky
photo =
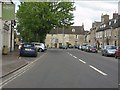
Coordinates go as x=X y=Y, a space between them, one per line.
x=89 y=11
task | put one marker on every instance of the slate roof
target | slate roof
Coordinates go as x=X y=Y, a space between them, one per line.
x=78 y=30
x=113 y=24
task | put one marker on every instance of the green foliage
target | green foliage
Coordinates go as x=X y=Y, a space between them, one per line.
x=36 y=19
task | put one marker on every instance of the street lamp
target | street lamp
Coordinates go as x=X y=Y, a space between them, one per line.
x=73 y=30
x=63 y=35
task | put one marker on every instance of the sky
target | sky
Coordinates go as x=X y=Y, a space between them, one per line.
x=88 y=11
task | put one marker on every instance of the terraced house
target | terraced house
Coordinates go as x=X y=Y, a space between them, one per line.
x=108 y=31
x=105 y=32
x=74 y=35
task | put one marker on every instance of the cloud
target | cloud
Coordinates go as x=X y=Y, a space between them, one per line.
x=88 y=12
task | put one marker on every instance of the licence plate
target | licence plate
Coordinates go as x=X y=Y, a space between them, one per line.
x=27 y=49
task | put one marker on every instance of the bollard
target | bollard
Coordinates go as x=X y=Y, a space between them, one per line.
x=5 y=50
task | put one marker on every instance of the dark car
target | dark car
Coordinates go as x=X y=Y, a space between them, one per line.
x=93 y=49
x=28 y=49
x=63 y=47
x=117 y=53
x=109 y=50
x=70 y=46
x=87 y=48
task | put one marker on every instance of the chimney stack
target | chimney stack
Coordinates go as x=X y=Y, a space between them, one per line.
x=115 y=15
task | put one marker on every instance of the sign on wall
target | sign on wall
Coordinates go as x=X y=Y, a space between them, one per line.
x=8 y=12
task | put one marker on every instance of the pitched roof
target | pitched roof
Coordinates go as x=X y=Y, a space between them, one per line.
x=69 y=30
x=112 y=23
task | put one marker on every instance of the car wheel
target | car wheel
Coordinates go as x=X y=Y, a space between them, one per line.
x=35 y=55
x=106 y=55
x=102 y=54
x=40 y=50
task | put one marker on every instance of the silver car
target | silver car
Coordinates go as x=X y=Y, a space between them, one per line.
x=109 y=50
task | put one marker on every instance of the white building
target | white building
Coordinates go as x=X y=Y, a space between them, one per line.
x=6 y=32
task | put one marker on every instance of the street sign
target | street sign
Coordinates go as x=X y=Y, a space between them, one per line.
x=8 y=12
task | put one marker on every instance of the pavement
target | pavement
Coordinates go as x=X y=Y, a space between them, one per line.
x=11 y=63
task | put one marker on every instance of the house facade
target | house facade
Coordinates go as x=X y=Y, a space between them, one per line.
x=7 y=30
x=108 y=31
x=92 y=39
x=74 y=35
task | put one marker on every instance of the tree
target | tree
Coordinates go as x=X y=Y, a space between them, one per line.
x=36 y=19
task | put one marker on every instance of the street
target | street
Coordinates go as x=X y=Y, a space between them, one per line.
x=70 y=68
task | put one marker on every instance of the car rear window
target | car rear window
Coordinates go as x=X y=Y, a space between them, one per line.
x=37 y=44
x=111 y=47
x=28 y=45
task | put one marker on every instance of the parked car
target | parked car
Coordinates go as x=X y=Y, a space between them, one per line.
x=28 y=49
x=83 y=47
x=109 y=50
x=70 y=46
x=76 y=46
x=63 y=47
x=80 y=47
x=93 y=49
x=117 y=52
x=87 y=48
x=41 y=47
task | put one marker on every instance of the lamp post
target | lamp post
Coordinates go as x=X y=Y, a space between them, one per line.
x=103 y=35
x=63 y=36
x=73 y=30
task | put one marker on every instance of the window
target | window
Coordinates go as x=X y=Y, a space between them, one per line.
x=105 y=34
x=100 y=35
x=115 y=21
x=109 y=23
x=109 y=32
x=104 y=25
x=76 y=36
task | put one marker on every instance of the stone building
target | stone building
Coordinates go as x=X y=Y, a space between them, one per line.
x=73 y=35
x=7 y=26
x=108 y=31
x=93 y=30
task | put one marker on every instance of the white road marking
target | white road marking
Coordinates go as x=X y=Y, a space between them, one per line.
x=90 y=66
x=20 y=72
x=82 y=61
x=12 y=78
x=98 y=70
x=74 y=56
x=71 y=55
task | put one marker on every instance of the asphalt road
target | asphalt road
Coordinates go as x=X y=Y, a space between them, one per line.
x=68 y=69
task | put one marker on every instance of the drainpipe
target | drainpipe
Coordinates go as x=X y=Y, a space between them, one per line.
x=11 y=38
x=1 y=40
x=1 y=30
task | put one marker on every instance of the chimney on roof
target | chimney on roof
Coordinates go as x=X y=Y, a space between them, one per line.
x=104 y=18
x=115 y=15
x=83 y=26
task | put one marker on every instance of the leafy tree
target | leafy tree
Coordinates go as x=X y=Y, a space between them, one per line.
x=36 y=19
